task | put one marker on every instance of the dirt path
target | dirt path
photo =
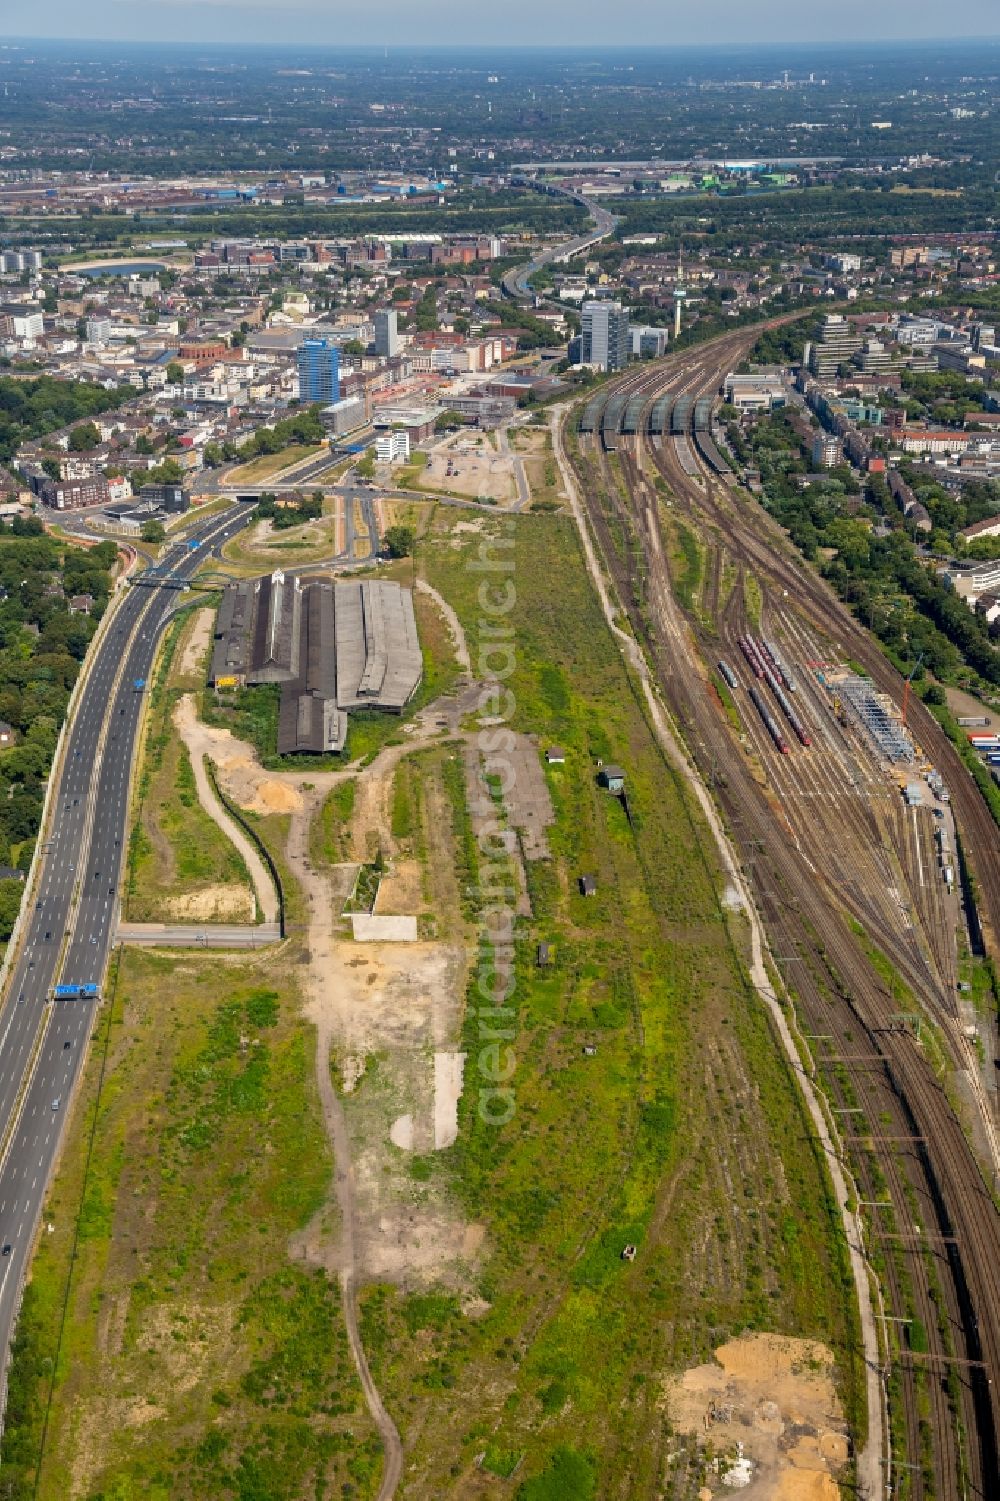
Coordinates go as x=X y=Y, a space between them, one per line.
x=198 y=745
x=869 y=1463
x=321 y=899
x=454 y=624
x=355 y=1003
x=199 y=639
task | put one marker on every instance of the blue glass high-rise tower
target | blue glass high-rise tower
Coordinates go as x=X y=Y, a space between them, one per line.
x=319 y=372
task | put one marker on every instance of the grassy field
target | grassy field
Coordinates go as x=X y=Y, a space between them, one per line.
x=329 y=838
x=177 y=851
x=535 y=446
x=269 y=465
x=312 y=542
x=189 y=1356
x=169 y=1346
x=683 y=1132
x=407 y=477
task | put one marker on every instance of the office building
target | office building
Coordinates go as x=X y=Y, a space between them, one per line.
x=98 y=330
x=387 y=333
x=392 y=447
x=760 y=392
x=319 y=372
x=172 y=498
x=417 y=421
x=648 y=342
x=343 y=416
x=604 y=335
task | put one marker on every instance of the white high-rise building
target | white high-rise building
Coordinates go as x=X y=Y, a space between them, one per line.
x=604 y=335
x=387 y=333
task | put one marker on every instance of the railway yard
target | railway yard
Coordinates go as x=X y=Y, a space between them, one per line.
x=849 y=823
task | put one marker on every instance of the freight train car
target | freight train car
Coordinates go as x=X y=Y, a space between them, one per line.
x=753 y=658
x=728 y=674
x=779 y=666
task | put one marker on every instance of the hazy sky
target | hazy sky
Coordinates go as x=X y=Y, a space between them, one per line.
x=401 y=22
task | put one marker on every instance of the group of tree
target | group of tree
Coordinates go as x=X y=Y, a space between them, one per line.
x=897 y=593
x=41 y=647
x=399 y=540
x=32 y=408
x=303 y=427
x=290 y=510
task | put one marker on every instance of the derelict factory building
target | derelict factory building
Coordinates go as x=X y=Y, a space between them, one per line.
x=332 y=647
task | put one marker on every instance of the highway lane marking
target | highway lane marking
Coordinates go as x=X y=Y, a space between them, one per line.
x=75 y=828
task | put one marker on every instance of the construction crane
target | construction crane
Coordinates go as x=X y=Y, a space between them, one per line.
x=906 y=686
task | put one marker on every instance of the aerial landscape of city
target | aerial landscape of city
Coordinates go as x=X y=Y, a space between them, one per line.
x=499 y=752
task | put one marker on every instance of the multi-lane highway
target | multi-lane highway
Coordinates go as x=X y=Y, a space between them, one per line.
x=69 y=924
x=516 y=282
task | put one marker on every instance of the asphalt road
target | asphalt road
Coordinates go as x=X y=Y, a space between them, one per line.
x=68 y=931
x=515 y=283
x=200 y=935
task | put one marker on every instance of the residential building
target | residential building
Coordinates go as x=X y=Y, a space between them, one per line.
x=838 y=341
x=843 y=264
x=988 y=527
x=26 y=321
x=604 y=335
x=924 y=440
x=827 y=451
x=72 y=495
x=319 y=372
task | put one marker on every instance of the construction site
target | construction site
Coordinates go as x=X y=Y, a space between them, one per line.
x=874 y=864
x=333 y=647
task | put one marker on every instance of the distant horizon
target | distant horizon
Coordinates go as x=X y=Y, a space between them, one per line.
x=570 y=25
x=828 y=44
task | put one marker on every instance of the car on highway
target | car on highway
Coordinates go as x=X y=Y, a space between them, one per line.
x=57 y=1102
x=6 y=1248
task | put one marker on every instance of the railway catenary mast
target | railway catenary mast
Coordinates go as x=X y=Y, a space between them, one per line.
x=966 y=1210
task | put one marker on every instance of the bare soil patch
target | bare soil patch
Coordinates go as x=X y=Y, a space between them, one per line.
x=213 y=904
x=775 y=1396
x=197 y=642
x=478 y=474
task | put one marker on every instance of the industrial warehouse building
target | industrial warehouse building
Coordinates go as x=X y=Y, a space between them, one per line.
x=332 y=647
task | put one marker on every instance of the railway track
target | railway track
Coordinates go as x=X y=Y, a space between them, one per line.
x=947 y=1275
